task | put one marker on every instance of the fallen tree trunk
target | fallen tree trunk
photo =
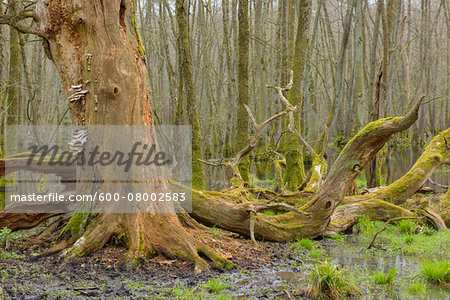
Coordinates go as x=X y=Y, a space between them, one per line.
x=347 y=215
x=445 y=208
x=233 y=213
x=435 y=155
x=232 y=210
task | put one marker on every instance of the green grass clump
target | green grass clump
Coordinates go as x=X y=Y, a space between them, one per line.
x=6 y=233
x=315 y=253
x=407 y=226
x=361 y=181
x=385 y=278
x=183 y=293
x=365 y=226
x=216 y=285
x=328 y=281
x=303 y=243
x=337 y=237
x=417 y=288
x=409 y=239
x=436 y=272
x=269 y=213
x=8 y=255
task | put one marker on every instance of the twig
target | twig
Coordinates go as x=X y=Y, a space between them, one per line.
x=385 y=226
x=212 y=164
x=437 y=184
x=432 y=99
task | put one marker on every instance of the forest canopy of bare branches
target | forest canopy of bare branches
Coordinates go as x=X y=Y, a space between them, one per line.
x=309 y=119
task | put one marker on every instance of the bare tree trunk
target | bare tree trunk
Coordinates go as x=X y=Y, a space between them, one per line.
x=12 y=90
x=261 y=165
x=191 y=99
x=242 y=137
x=289 y=145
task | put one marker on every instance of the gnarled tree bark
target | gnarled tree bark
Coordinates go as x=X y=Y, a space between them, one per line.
x=98 y=52
x=435 y=155
x=232 y=211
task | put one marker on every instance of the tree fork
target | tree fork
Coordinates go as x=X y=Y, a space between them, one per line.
x=222 y=209
x=435 y=155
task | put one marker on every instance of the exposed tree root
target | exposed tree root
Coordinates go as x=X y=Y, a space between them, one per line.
x=147 y=235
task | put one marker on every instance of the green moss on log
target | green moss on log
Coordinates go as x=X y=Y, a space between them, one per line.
x=435 y=154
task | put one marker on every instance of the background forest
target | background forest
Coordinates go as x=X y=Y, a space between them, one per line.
x=339 y=86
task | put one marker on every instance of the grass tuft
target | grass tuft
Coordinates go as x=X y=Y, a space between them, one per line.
x=216 y=285
x=303 y=243
x=436 y=272
x=417 y=288
x=409 y=239
x=407 y=226
x=385 y=278
x=328 y=281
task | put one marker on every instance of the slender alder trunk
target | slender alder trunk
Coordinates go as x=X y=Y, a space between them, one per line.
x=261 y=165
x=2 y=100
x=12 y=90
x=242 y=138
x=191 y=98
x=290 y=146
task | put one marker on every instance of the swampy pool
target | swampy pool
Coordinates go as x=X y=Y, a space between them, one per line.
x=273 y=270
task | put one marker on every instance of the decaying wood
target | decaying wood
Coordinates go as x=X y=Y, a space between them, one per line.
x=434 y=218
x=21 y=221
x=10 y=165
x=221 y=209
x=435 y=155
x=237 y=178
x=346 y=215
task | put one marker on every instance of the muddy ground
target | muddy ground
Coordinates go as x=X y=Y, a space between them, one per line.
x=105 y=275
x=266 y=271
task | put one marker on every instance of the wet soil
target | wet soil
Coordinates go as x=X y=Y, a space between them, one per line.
x=265 y=271
x=105 y=275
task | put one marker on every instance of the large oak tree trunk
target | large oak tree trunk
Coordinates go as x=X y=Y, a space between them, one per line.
x=96 y=45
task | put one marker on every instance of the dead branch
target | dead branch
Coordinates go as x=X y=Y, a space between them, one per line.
x=15 y=22
x=437 y=184
x=386 y=225
x=259 y=127
x=434 y=218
